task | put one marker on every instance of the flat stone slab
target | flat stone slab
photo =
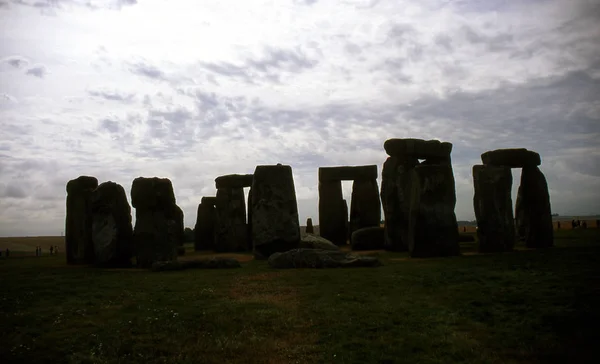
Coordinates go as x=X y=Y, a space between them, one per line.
x=318 y=258
x=347 y=173
x=213 y=263
x=417 y=148
x=513 y=158
x=209 y=200
x=311 y=241
x=234 y=181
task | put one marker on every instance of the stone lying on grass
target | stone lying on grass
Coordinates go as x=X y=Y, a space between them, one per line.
x=318 y=258
x=311 y=241
x=369 y=238
x=213 y=263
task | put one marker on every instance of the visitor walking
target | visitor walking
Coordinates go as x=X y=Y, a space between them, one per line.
x=51 y=249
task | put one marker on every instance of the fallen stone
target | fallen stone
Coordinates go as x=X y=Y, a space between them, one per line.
x=513 y=158
x=418 y=148
x=311 y=241
x=317 y=258
x=348 y=173
x=466 y=238
x=152 y=192
x=213 y=263
x=275 y=224
x=369 y=238
x=79 y=245
x=234 y=181
x=112 y=232
x=493 y=208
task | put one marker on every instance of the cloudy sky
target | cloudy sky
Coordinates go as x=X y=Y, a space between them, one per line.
x=191 y=90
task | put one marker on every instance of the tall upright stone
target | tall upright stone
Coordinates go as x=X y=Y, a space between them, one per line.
x=533 y=210
x=156 y=233
x=332 y=219
x=493 y=208
x=204 y=229
x=249 y=220
x=433 y=229
x=346 y=222
x=112 y=232
x=79 y=245
x=309 y=226
x=365 y=205
x=231 y=231
x=275 y=222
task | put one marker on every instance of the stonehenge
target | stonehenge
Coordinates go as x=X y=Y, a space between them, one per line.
x=365 y=211
x=204 y=230
x=112 y=232
x=419 y=198
x=493 y=205
x=275 y=221
x=79 y=245
x=309 y=226
x=156 y=233
x=231 y=229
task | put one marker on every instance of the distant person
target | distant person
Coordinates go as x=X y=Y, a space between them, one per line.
x=573 y=224
x=578 y=223
x=584 y=225
x=464 y=229
x=558 y=225
x=51 y=249
x=7 y=252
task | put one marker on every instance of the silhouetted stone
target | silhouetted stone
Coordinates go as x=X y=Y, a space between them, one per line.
x=418 y=148
x=309 y=226
x=311 y=241
x=534 y=216
x=365 y=206
x=249 y=221
x=213 y=263
x=346 y=222
x=79 y=245
x=234 y=181
x=369 y=238
x=112 y=232
x=348 y=173
x=514 y=158
x=493 y=208
x=395 y=197
x=275 y=225
x=152 y=192
x=204 y=229
x=332 y=218
x=433 y=229
x=177 y=217
x=209 y=200
x=318 y=258
x=231 y=231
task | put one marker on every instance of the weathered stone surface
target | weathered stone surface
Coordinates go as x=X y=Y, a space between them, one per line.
x=309 y=226
x=365 y=206
x=152 y=192
x=231 y=231
x=209 y=200
x=275 y=225
x=347 y=173
x=154 y=236
x=79 y=245
x=533 y=210
x=112 y=232
x=249 y=221
x=369 y=238
x=514 y=158
x=433 y=229
x=213 y=263
x=177 y=217
x=311 y=241
x=332 y=218
x=395 y=197
x=234 y=181
x=493 y=208
x=317 y=258
x=418 y=148
x=204 y=229
x=346 y=221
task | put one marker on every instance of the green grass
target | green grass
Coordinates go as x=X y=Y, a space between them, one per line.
x=522 y=307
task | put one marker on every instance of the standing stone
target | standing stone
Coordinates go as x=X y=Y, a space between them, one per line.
x=204 y=229
x=249 y=221
x=230 y=220
x=156 y=234
x=346 y=222
x=493 y=208
x=332 y=220
x=533 y=210
x=433 y=229
x=178 y=228
x=275 y=224
x=78 y=223
x=309 y=226
x=395 y=198
x=112 y=232
x=365 y=206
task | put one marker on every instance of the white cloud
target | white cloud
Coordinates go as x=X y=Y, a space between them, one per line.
x=193 y=90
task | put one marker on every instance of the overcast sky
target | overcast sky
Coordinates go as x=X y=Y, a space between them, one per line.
x=192 y=90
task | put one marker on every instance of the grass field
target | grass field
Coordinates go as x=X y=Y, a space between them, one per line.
x=521 y=307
